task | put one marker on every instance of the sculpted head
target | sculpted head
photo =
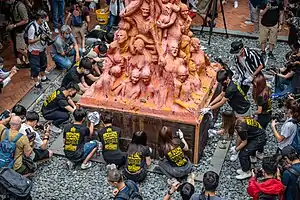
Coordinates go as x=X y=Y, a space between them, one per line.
x=184 y=11
x=122 y=36
x=145 y=8
x=116 y=71
x=146 y=75
x=192 y=66
x=195 y=45
x=185 y=41
x=124 y=25
x=182 y=73
x=139 y=46
x=173 y=48
x=135 y=76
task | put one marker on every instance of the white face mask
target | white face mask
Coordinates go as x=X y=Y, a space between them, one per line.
x=1 y=66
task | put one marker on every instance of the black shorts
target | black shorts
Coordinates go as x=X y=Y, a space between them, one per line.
x=40 y=154
x=37 y=63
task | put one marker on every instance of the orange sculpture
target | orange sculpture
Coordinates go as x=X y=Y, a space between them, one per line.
x=155 y=66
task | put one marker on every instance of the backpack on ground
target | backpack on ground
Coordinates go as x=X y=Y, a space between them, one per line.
x=25 y=35
x=297 y=175
x=14 y=186
x=263 y=196
x=77 y=17
x=8 y=150
x=132 y=195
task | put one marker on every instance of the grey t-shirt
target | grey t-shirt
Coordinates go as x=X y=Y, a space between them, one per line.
x=197 y=197
x=61 y=46
x=288 y=130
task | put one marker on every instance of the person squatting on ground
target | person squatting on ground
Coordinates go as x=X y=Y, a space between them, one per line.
x=289 y=128
x=23 y=147
x=58 y=13
x=231 y=93
x=123 y=189
x=251 y=137
x=37 y=49
x=138 y=159
x=5 y=76
x=248 y=64
x=20 y=20
x=109 y=136
x=77 y=74
x=290 y=175
x=39 y=146
x=58 y=105
x=210 y=184
x=80 y=19
x=271 y=13
x=75 y=148
x=261 y=96
x=65 y=46
x=174 y=163
x=270 y=187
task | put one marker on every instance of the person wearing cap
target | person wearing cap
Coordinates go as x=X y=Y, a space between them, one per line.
x=248 y=63
x=271 y=15
x=5 y=76
x=95 y=73
x=80 y=19
x=37 y=49
x=58 y=14
x=64 y=47
x=76 y=74
x=58 y=105
x=290 y=175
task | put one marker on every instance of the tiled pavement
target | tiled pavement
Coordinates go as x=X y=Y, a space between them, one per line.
x=21 y=82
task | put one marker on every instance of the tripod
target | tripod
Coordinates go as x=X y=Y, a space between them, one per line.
x=213 y=3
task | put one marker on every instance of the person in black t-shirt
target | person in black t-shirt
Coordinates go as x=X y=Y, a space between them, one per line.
x=75 y=148
x=251 y=137
x=109 y=137
x=138 y=158
x=271 y=23
x=232 y=93
x=175 y=163
x=58 y=104
x=76 y=74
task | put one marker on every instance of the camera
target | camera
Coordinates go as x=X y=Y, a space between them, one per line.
x=278 y=116
x=4 y=115
x=258 y=173
x=46 y=37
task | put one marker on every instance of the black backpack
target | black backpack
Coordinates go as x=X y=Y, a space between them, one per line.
x=132 y=195
x=263 y=196
x=297 y=175
x=14 y=185
x=25 y=36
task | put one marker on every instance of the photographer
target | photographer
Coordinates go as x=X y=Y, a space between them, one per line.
x=289 y=128
x=39 y=145
x=37 y=49
x=5 y=76
x=64 y=47
x=253 y=138
x=290 y=175
x=271 y=186
x=95 y=72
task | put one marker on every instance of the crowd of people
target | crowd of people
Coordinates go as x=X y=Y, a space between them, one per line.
x=88 y=134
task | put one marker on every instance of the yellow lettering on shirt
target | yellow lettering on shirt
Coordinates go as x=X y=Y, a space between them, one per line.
x=134 y=162
x=269 y=105
x=110 y=139
x=72 y=140
x=51 y=97
x=253 y=123
x=176 y=155
x=241 y=91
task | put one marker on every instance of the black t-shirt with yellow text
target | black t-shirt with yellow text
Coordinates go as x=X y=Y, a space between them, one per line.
x=109 y=137
x=176 y=156
x=74 y=135
x=55 y=101
x=136 y=161
x=265 y=103
x=249 y=129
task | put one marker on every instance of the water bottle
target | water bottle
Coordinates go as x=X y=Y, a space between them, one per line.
x=99 y=150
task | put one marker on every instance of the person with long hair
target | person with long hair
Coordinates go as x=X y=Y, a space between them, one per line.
x=138 y=158
x=261 y=96
x=175 y=164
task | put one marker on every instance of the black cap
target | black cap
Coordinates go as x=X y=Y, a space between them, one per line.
x=236 y=46
x=288 y=150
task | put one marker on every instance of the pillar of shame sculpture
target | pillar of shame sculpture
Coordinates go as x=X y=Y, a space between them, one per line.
x=155 y=65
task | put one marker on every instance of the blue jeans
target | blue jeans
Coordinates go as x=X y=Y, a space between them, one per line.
x=283 y=86
x=111 y=21
x=37 y=63
x=64 y=61
x=58 y=14
x=88 y=148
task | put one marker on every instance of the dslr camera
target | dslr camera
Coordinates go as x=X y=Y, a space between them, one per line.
x=278 y=116
x=4 y=115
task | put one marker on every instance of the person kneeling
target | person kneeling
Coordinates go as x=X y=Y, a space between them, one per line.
x=39 y=145
x=175 y=164
x=253 y=138
x=74 y=147
x=138 y=158
x=271 y=187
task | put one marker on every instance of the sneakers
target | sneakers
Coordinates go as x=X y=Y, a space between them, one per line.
x=45 y=80
x=244 y=175
x=234 y=157
x=86 y=166
x=253 y=159
x=70 y=165
x=271 y=55
x=171 y=181
x=260 y=156
x=55 y=129
x=83 y=50
x=38 y=86
x=236 y=4
x=56 y=30
x=239 y=171
x=248 y=22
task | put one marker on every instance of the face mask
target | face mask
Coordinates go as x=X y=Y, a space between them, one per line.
x=67 y=36
x=1 y=66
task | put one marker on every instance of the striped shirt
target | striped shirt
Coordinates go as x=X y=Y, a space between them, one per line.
x=247 y=65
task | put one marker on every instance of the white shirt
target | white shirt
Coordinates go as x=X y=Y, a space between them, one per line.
x=37 y=141
x=113 y=7
x=33 y=35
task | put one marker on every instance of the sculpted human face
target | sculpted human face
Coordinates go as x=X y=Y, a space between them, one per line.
x=184 y=12
x=121 y=36
x=195 y=47
x=145 y=10
x=139 y=46
x=182 y=74
x=135 y=79
x=174 y=49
